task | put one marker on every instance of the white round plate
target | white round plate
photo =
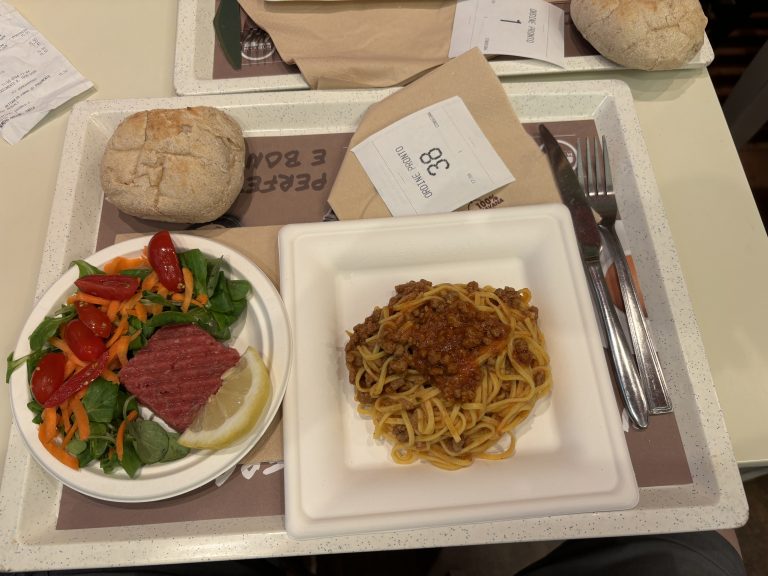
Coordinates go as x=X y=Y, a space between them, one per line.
x=264 y=326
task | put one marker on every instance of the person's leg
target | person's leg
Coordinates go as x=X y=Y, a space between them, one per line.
x=700 y=553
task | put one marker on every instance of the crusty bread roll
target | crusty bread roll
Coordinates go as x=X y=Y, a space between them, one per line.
x=642 y=34
x=178 y=165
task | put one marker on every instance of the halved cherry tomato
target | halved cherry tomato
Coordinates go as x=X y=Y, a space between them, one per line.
x=84 y=343
x=48 y=376
x=96 y=319
x=78 y=381
x=109 y=286
x=163 y=259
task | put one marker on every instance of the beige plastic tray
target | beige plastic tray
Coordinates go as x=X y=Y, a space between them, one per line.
x=193 y=66
x=29 y=497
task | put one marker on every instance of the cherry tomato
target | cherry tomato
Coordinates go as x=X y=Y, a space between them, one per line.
x=78 y=381
x=163 y=259
x=48 y=376
x=109 y=286
x=96 y=319
x=84 y=343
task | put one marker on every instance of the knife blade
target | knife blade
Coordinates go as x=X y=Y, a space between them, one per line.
x=588 y=238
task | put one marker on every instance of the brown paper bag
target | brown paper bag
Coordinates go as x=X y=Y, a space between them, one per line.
x=470 y=77
x=358 y=43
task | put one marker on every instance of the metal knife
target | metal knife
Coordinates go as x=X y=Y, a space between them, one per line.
x=588 y=237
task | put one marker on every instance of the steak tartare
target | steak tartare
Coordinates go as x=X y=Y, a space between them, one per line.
x=176 y=373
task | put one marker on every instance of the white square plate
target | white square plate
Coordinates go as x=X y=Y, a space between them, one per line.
x=571 y=455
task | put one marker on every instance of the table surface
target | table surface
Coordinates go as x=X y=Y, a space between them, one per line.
x=127 y=50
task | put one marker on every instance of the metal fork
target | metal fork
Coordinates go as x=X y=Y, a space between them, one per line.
x=598 y=184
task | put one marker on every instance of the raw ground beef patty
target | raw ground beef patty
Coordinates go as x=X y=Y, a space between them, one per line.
x=177 y=371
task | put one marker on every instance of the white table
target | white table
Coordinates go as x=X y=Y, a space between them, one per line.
x=127 y=50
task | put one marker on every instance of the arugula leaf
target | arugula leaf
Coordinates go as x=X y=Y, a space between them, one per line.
x=214 y=271
x=175 y=450
x=131 y=462
x=100 y=401
x=137 y=326
x=152 y=298
x=139 y=273
x=84 y=268
x=109 y=462
x=150 y=440
x=49 y=326
x=239 y=289
x=12 y=364
x=198 y=265
x=126 y=402
x=36 y=408
x=98 y=440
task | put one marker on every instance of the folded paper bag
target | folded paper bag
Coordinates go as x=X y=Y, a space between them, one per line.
x=358 y=43
x=470 y=77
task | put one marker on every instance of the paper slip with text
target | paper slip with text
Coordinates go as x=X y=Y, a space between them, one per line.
x=528 y=28
x=432 y=161
x=34 y=77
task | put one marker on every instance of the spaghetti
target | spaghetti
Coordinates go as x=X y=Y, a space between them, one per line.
x=446 y=371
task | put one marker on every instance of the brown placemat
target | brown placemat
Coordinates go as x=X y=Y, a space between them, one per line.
x=251 y=491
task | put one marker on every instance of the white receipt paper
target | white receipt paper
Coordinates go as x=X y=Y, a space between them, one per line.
x=529 y=28
x=432 y=161
x=34 y=77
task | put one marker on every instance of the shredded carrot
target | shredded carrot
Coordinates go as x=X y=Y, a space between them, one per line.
x=69 y=368
x=177 y=297
x=189 y=284
x=120 y=263
x=149 y=281
x=122 y=328
x=130 y=303
x=112 y=308
x=65 y=415
x=83 y=297
x=62 y=455
x=47 y=430
x=203 y=299
x=140 y=311
x=70 y=434
x=81 y=418
x=61 y=345
x=119 y=349
x=120 y=438
x=111 y=376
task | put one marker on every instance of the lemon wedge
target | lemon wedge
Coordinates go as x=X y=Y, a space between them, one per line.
x=236 y=407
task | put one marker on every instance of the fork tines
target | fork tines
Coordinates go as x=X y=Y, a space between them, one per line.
x=598 y=178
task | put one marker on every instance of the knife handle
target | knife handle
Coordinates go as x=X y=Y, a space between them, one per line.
x=626 y=371
x=651 y=373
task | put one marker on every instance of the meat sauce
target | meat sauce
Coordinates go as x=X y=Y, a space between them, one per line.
x=442 y=339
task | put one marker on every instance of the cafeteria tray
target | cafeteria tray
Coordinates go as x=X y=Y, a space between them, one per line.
x=193 y=66
x=715 y=499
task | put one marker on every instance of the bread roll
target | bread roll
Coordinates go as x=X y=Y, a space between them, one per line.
x=642 y=34
x=179 y=165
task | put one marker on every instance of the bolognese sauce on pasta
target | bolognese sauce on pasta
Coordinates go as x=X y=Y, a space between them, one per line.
x=446 y=371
